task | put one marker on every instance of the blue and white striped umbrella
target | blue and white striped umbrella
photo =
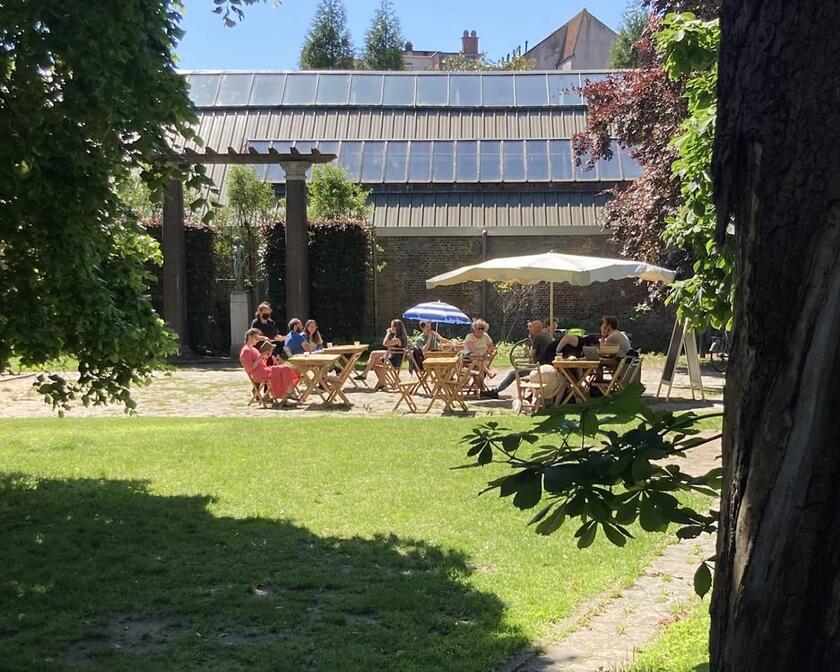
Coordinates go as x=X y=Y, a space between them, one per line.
x=436 y=311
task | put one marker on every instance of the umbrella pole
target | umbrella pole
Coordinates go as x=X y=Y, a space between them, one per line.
x=550 y=303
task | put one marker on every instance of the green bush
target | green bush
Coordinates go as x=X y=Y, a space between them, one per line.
x=339 y=253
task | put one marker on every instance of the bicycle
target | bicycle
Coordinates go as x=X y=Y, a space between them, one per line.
x=719 y=352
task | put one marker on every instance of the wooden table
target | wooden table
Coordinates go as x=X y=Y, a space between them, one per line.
x=313 y=371
x=446 y=383
x=579 y=374
x=348 y=356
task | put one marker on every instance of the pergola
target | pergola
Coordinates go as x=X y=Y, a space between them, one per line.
x=294 y=164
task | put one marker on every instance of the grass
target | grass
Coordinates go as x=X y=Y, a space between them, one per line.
x=145 y=544
x=682 y=647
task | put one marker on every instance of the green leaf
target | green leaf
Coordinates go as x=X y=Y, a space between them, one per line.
x=587 y=534
x=553 y=522
x=702 y=580
x=614 y=534
x=589 y=423
x=641 y=469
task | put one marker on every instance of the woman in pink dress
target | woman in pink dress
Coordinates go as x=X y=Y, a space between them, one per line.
x=281 y=377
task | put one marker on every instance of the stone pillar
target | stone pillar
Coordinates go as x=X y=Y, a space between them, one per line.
x=173 y=245
x=297 y=241
x=240 y=312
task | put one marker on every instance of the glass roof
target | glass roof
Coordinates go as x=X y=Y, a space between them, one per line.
x=426 y=89
x=454 y=161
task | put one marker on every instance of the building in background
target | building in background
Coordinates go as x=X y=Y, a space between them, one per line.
x=462 y=166
x=583 y=43
x=432 y=60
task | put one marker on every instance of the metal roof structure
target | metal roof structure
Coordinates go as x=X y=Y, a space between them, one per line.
x=442 y=151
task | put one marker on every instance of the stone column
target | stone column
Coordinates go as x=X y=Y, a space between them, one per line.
x=297 y=241
x=173 y=245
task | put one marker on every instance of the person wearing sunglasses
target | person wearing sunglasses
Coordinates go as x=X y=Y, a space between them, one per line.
x=478 y=342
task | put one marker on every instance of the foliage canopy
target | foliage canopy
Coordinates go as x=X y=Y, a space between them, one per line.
x=383 y=40
x=333 y=196
x=328 y=45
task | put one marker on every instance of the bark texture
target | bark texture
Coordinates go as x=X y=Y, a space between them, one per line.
x=776 y=601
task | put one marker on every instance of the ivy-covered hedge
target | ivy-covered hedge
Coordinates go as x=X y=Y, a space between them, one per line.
x=339 y=254
x=204 y=326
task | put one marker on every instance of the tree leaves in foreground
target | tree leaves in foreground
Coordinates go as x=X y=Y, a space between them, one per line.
x=572 y=466
x=86 y=97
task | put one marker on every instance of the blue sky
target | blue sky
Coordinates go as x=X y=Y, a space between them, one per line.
x=271 y=35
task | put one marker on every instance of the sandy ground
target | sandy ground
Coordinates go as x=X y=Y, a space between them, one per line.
x=222 y=390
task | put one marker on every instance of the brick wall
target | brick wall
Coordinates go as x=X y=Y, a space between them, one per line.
x=408 y=261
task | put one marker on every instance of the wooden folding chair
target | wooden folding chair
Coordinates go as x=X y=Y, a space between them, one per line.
x=260 y=391
x=624 y=374
x=407 y=388
x=392 y=373
x=529 y=385
x=421 y=373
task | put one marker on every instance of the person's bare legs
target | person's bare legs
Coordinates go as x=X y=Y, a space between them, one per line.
x=375 y=356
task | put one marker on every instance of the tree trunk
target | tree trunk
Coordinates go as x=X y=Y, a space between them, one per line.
x=776 y=601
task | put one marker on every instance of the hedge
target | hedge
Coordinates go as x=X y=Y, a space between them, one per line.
x=339 y=254
x=205 y=327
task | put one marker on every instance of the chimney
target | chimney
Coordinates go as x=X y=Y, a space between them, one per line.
x=469 y=43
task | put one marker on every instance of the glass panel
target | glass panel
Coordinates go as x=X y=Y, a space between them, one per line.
x=396 y=159
x=399 y=90
x=366 y=90
x=514 y=155
x=350 y=158
x=497 y=90
x=591 y=78
x=530 y=90
x=559 y=90
x=536 y=152
x=333 y=89
x=610 y=170
x=300 y=90
x=234 y=89
x=267 y=89
x=282 y=146
x=560 y=156
x=304 y=146
x=584 y=173
x=328 y=147
x=629 y=167
x=419 y=162
x=464 y=90
x=260 y=145
x=431 y=90
x=443 y=160
x=466 y=157
x=203 y=89
x=490 y=164
x=372 y=161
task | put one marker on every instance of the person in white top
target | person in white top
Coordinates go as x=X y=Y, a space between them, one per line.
x=478 y=343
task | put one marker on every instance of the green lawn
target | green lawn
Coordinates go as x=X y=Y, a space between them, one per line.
x=682 y=647
x=273 y=544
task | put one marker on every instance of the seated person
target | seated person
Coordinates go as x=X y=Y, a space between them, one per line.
x=541 y=353
x=396 y=341
x=268 y=328
x=573 y=345
x=553 y=384
x=282 y=378
x=478 y=342
x=432 y=340
x=295 y=340
x=312 y=335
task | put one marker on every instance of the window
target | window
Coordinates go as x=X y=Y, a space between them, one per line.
x=304 y=146
x=443 y=159
x=282 y=146
x=560 y=158
x=560 y=90
x=399 y=90
x=419 y=162
x=536 y=153
x=581 y=170
x=350 y=158
x=203 y=89
x=497 y=90
x=260 y=145
x=629 y=167
x=275 y=173
x=431 y=90
x=530 y=90
x=333 y=89
x=267 y=89
x=234 y=89
x=490 y=164
x=373 y=161
x=328 y=147
x=464 y=90
x=396 y=160
x=366 y=90
x=514 y=154
x=300 y=89
x=610 y=170
x=466 y=161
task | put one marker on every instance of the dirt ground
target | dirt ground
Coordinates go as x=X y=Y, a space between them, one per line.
x=222 y=390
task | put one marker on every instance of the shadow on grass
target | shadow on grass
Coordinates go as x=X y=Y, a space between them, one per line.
x=106 y=575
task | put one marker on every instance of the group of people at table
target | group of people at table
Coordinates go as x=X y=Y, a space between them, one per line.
x=265 y=349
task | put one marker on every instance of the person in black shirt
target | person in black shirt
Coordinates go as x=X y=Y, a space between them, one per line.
x=541 y=353
x=268 y=328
